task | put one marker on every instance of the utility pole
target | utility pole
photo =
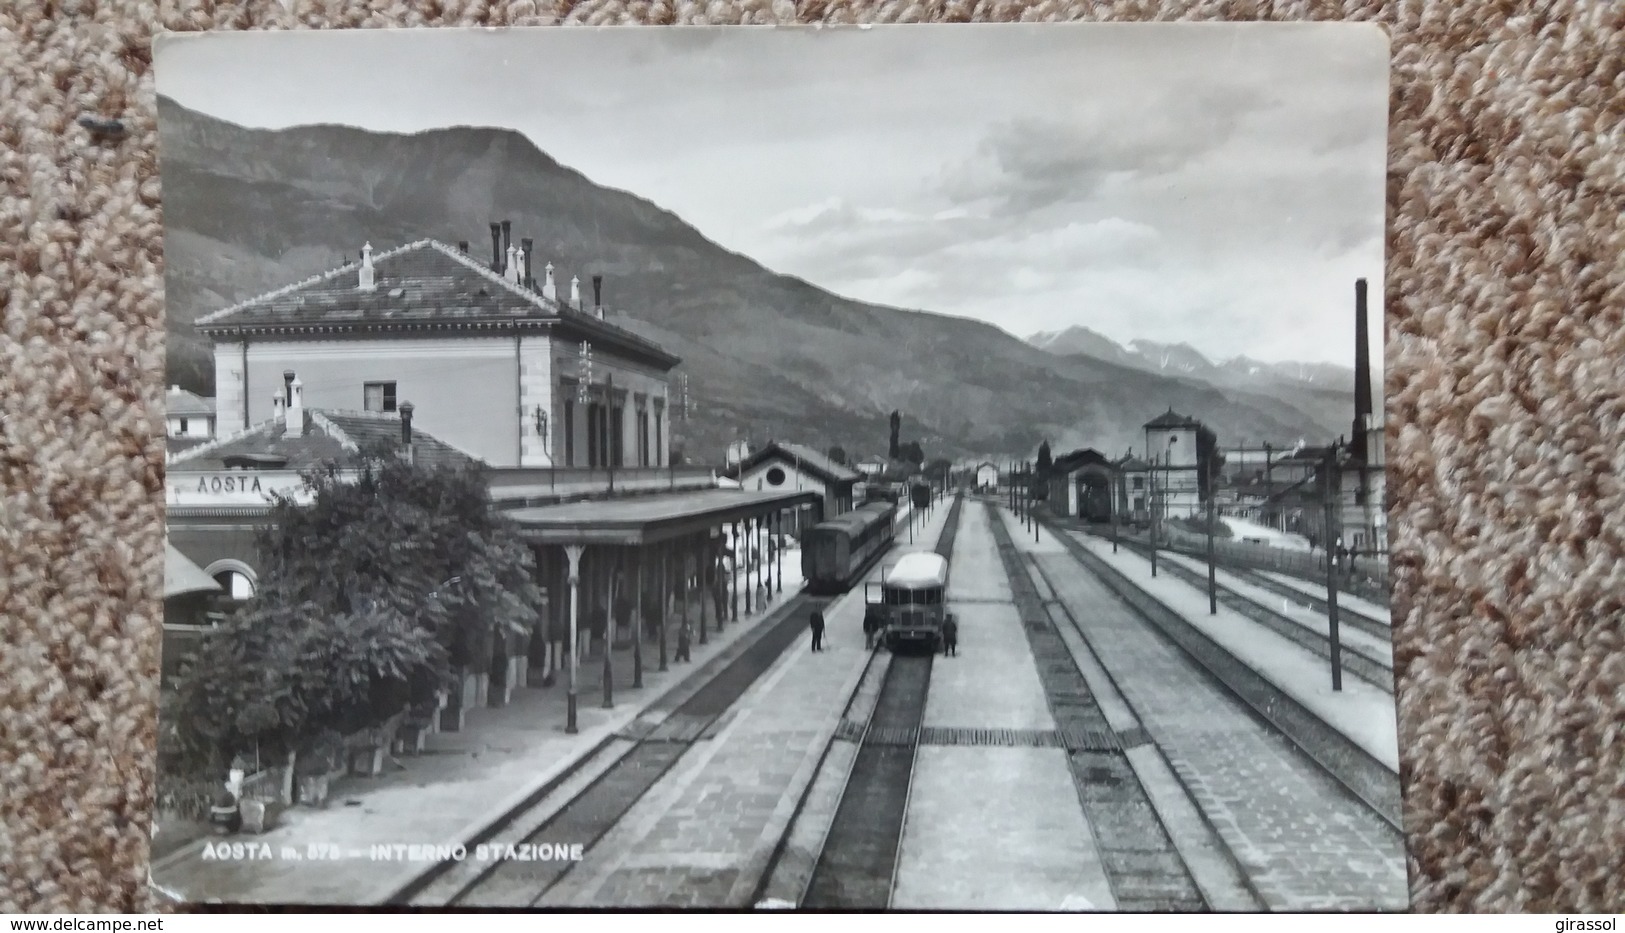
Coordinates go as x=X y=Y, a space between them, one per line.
x=609 y=631
x=1212 y=573
x=1331 y=567
x=1151 y=477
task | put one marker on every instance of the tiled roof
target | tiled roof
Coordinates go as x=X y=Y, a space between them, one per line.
x=426 y=282
x=1078 y=458
x=328 y=436
x=804 y=457
x=176 y=445
x=178 y=401
x=1172 y=419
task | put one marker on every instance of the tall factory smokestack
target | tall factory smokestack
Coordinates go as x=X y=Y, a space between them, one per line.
x=1362 y=374
x=496 y=247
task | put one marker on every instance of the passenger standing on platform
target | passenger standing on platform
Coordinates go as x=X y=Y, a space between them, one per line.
x=818 y=630
x=869 y=626
x=950 y=636
x=685 y=635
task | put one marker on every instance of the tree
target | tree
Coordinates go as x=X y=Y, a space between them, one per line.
x=893 y=452
x=937 y=470
x=1045 y=462
x=837 y=454
x=912 y=453
x=380 y=587
x=1209 y=461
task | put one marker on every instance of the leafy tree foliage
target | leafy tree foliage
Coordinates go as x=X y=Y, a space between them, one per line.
x=913 y=453
x=937 y=470
x=376 y=591
x=893 y=452
x=837 y=454
x=1045 y=460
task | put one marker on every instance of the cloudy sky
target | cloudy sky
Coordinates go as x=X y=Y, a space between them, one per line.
x=1220 y=185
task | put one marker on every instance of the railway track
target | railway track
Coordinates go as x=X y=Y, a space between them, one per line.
x=1364 y=777
x=1360 y=657
x=856 y=868
x=1142 y=864
x=584 y=803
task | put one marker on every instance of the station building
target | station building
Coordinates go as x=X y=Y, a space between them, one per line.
x=464 y=360
x=987 y=476
x=781 y=465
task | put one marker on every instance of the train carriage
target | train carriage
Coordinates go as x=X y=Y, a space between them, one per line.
x=836 y=553
x=911 y=601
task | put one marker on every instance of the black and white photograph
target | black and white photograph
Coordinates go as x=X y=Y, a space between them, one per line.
x=875 y=468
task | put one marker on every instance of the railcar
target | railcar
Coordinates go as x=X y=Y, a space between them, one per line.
x=911 y=601
x=836 y=553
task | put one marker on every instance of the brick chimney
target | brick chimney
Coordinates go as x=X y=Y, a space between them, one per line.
x=287 y=387
x=510 y=267
x=526 y=247
x=295 y=416
x=549 y=290
x=496 y=247
x=279 y=407
x=367 y=282
x=1362 y=371
x=598 y=296
x=575 y=291
x=406 y=423
x=507 y=239
x=462 y=247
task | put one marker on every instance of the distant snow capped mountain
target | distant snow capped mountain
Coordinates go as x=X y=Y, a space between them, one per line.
x=1181 y=359
x=1078 y=339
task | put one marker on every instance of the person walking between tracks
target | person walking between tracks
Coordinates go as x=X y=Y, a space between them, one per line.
x=950 y=636
x=685 y=637
x=818 y=630
x=870 y=626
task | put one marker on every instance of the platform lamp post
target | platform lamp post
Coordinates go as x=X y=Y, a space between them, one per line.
x=1151 y=529
x=1331 y=483
x=609 y=634
x=573 y=552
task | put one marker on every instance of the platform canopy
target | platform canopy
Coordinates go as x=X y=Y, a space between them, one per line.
x=638 y=520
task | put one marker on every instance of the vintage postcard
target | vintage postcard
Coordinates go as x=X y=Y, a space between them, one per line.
x=915 y=467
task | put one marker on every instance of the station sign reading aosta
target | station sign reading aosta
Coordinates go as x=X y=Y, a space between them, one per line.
x=230 y=487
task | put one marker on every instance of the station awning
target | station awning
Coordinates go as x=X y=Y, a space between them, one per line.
x=638 y=520
x=181 y=576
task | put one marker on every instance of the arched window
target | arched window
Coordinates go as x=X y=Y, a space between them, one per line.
x=235 y=577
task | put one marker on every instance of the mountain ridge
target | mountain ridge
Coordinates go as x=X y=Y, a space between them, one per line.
x=250 y=210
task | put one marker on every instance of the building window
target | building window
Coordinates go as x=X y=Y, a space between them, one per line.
x=183 y=427
x=379 y=396
x=617 y=436
x=1139 y=503
x=643 y=438
x=592 y=434
x=775 y=477
x=660 y=454
x=1139 y=482
x=569 y=433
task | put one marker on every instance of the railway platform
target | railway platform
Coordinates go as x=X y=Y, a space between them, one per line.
x=993 y=826
x=705 y=835
x=1296 y=837
x=464 y=782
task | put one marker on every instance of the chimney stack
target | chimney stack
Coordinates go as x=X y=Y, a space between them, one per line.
x=295 y=418
x=510 y=268
x=549 y=290
x=598 y=296
x=279 y=407
x=496 y=247
x=368 y=282
x=507 y=239
x=287 y=387
x=406 y=423
x=575 y=291
x=462 y=247
x=1362 y=371
x=526 y=246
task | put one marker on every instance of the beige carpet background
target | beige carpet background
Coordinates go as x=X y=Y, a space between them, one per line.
x=1506 y=360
